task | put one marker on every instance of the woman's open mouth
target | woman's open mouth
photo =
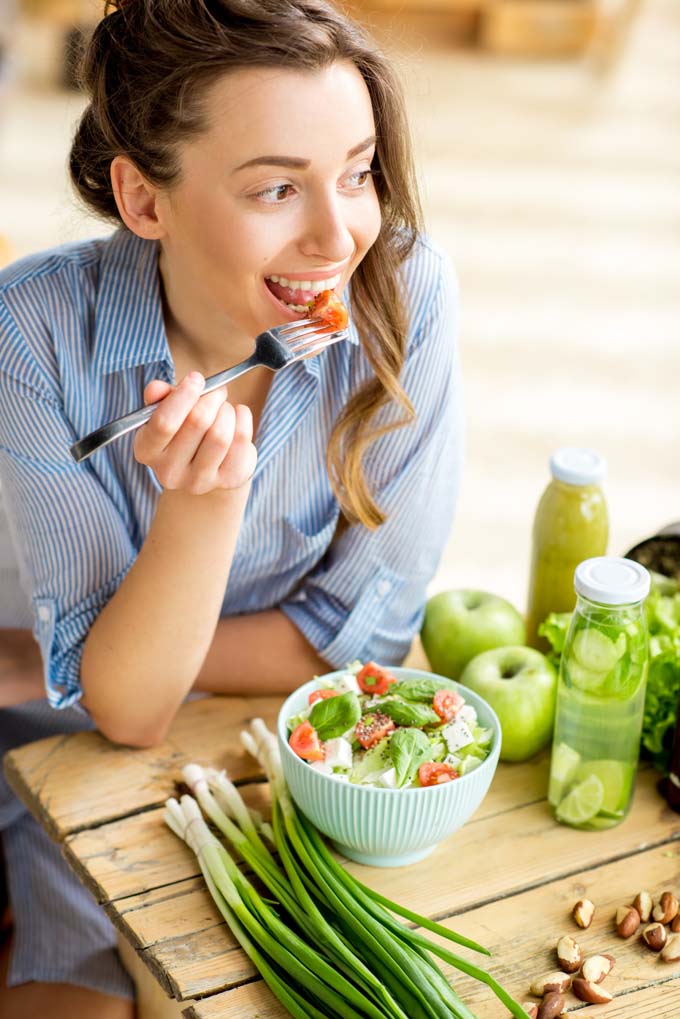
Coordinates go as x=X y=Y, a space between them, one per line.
x=297 y=295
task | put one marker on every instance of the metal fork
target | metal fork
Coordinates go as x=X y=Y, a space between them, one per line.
x=274 y=349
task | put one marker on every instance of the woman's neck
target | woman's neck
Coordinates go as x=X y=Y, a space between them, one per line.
x=204 y=341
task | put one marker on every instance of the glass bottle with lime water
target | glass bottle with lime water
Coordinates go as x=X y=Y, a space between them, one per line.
x=601 y=695
x=571 y=524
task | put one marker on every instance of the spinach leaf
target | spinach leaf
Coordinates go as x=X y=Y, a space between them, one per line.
x=409 y=748
x=336 y=715
x=404 y=713
x=422 y=688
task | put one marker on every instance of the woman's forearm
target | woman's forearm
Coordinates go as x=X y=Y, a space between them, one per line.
x=147 y=646
x=258 y=653
x=21 y=674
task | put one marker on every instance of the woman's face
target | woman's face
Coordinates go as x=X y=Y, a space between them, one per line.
x=277 y=190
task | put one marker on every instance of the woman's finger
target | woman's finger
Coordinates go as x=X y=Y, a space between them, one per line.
x=177 y=458
x=212 y=450
x=239 y=464
x=168 y=418
x=156 y=390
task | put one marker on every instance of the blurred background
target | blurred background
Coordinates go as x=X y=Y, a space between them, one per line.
x=547 y=135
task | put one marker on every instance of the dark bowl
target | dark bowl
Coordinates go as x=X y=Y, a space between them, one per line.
x=660 y=552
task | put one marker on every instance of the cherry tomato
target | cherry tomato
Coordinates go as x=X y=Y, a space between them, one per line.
x=370 y=729
x=322 y=695
x=447 y=703
x=330 y=308
x=374 y=679
x=304 y=740
x=436 y=774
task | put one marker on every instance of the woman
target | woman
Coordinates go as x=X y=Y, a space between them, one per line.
x=249 y=152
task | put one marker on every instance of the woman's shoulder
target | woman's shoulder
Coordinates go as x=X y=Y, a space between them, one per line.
x=46 y=267
x=428 y=269
x=42 y=296
x=430 y=283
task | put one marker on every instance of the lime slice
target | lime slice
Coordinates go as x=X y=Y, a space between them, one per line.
x=582 y=803
x=563 y=767
x=615 y=777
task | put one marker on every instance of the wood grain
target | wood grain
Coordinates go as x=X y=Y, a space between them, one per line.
x=255 y=1001
x=70 y=783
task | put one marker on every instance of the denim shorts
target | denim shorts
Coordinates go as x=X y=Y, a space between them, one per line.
x=61 y=934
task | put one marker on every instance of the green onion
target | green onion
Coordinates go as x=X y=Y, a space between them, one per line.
x=326 y=945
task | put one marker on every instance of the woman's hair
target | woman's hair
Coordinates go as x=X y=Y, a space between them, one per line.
x=147 y=70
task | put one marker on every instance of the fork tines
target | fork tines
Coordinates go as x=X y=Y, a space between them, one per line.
x=313 y=329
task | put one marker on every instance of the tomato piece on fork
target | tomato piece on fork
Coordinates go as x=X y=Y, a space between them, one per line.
x=330 y=308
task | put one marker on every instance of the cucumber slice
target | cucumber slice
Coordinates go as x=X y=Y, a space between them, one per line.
x=585 y=679
x=597 y=652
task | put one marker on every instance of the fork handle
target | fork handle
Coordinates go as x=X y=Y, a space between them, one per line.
x=113 y=430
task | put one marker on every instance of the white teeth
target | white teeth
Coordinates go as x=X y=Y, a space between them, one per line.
x=295 y=307
x=315 y=286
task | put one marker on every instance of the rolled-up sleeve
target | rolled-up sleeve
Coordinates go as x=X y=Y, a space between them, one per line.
x=367 y=597
x=71 y=541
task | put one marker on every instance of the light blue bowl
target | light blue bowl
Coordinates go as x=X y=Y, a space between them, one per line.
x=385 y=827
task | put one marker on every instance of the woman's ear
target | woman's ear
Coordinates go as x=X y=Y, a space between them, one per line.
x=136 y=199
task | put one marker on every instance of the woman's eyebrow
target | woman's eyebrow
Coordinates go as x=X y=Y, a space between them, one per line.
x=295 y=162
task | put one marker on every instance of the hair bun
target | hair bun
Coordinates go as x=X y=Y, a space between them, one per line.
x=111 y=6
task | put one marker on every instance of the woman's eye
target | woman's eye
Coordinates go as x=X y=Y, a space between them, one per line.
x=360 y=178
x=275 y=194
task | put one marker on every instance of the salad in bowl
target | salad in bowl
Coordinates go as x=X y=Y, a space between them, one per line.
x=387 y=762
x=367 y=727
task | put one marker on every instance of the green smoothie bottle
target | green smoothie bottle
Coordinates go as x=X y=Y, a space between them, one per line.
x=571 y=524
x=600 y=695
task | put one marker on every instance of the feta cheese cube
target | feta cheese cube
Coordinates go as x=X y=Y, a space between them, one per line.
x=389 y=779
x=468 y=714
x=457 y=735
x=322 y=766
x=338 y=752
x=347 y=683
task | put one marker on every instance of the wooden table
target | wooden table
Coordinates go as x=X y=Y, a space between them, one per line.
x=508 y=879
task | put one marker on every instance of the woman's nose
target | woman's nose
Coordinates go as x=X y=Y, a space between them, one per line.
x=326 y=233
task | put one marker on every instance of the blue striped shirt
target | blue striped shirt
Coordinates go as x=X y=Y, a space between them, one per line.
x=81 y=335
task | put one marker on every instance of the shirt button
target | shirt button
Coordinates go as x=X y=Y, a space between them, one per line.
x=43 y=614
x=384 y=587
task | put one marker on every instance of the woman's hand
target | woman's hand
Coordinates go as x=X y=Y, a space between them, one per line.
x=195 y=443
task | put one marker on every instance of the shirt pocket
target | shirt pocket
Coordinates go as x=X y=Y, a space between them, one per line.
x=304 y=545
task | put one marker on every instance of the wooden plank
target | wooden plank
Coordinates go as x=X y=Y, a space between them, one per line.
x=174 y=911
x=139 y=852
x=73 y=782
x=255 y=1001
x=522 y=931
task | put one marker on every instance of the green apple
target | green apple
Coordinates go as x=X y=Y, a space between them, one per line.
x=459 y=625
x=520 y=684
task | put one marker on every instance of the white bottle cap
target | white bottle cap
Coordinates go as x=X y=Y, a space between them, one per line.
x=610 y=580
x=576 y=466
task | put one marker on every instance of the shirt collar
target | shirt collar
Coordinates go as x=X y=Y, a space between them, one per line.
x=129 y=328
